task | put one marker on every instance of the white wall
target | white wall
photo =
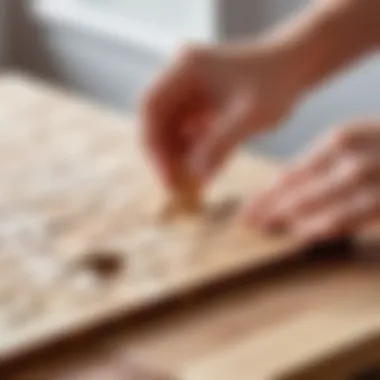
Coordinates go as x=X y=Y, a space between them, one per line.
x=113 y=67
x=354 y=93
x=189 y=19
x=112 y=55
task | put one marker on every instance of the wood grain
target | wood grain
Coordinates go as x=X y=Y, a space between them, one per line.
x=309 y=320
x=278 y=329
x=314 y=321
x=74 y=181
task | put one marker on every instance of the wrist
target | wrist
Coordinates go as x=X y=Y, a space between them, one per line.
x=327 y=36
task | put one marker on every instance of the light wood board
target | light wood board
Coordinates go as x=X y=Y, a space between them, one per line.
x=315 y=321
x=74 y=181
x=318 y=322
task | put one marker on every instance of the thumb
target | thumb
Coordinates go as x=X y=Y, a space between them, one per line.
x=230 y=128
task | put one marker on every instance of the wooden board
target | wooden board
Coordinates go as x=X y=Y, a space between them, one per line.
x=315 y=321
x=74 y=183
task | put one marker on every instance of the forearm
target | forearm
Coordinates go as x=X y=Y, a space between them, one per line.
x=328 y=36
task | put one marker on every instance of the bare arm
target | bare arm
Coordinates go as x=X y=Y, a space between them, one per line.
x=327 y=36
x=212 y=98
x=333 y=189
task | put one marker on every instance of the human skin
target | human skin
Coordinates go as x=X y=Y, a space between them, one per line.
x=330 y=191
x=212 y=98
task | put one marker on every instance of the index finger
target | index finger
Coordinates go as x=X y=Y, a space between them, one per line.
x=162 y=115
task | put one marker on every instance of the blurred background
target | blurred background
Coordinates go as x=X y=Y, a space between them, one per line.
x=108 y=50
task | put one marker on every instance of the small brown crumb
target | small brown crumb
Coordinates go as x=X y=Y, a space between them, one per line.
x=104 y=265
x=223 y=212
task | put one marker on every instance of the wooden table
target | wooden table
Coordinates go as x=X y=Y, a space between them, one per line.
x=288 y=317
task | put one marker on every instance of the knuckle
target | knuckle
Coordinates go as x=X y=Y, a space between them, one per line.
x=358 y=170
x=370 y=200
x=366 y=203
x=343 y=138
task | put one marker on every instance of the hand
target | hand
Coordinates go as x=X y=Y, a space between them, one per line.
x=332 y=191
x=209 y=100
